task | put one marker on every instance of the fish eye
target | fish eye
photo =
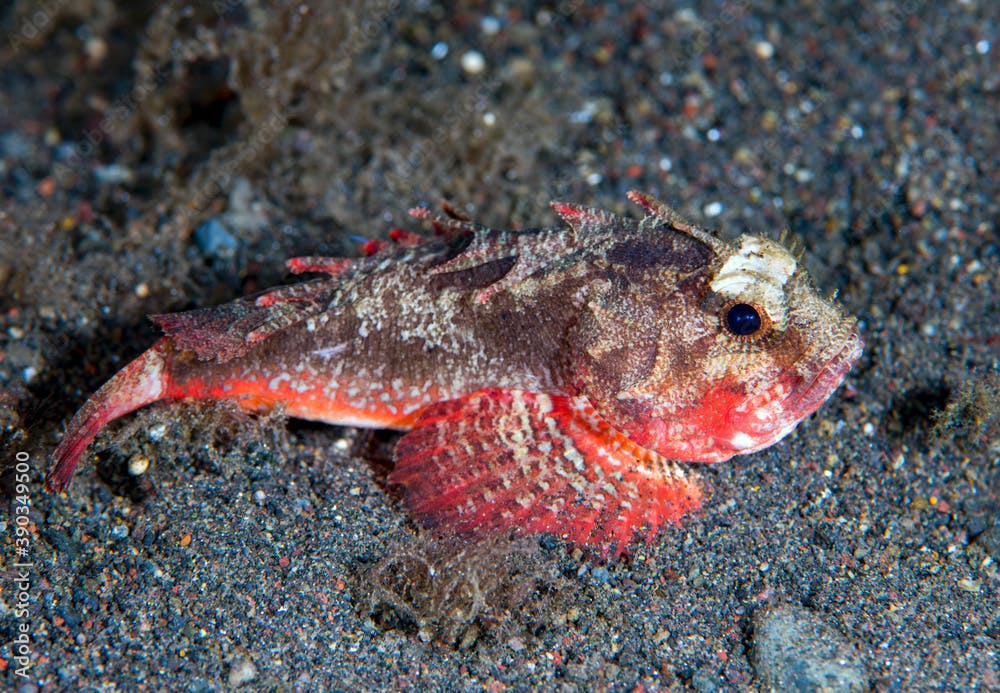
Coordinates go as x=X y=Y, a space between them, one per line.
x=745 y=321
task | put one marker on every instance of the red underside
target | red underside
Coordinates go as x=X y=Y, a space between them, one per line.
x=314 y=404
x=710 y=427
x=500 y=460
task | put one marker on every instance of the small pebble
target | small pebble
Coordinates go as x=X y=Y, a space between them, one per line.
x=473 y=62
x=96 y=49
x=242 y=671
x=520 y=71
x=119 y=531
x=439 y=50
x=114 y=174
x=713 y=209
x=138 y=465
x=764 y=50
x=967 y=585
x=213 y=239
x=490 y=25
x=600 y=575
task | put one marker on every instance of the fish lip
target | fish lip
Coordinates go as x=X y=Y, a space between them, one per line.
x=807 y=399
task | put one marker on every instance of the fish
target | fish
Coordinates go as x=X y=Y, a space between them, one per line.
x=553 y=380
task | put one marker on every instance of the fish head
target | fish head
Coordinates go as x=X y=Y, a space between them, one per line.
x=716 y=358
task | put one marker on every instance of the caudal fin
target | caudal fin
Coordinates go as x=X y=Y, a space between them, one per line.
x=141 y=382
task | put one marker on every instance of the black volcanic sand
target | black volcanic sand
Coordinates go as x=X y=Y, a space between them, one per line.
x=161 y=158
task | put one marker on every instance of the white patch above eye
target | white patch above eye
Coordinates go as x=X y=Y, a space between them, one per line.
x=757 y=273
x=757 y=259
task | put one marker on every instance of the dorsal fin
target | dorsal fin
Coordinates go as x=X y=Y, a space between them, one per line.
x=226 y=332
x=674 y=220
x=453 y=211
x=532 y=250
x=447 y=227
x=526 y=251
x=334 y=266
x=792 y=242
x=580 y=218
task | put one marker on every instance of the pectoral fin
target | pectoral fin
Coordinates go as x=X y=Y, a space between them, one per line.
x=509 y=459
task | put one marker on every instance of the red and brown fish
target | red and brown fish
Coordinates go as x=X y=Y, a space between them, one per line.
x=549 y=380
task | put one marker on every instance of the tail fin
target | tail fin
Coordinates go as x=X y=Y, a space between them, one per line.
x=141 y=382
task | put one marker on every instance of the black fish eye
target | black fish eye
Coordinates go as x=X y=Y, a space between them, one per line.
x=743 y=320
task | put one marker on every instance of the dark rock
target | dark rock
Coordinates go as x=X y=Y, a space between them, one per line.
x=794 y=650
x=989 y=539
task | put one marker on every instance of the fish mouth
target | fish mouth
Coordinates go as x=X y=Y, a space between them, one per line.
x=805 y=397
x=808 y=397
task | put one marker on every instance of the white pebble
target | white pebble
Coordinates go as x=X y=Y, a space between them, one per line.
x=138 y=465
x=157 y=432
x=713 y=209
x=473 y=62
x=983 y=47
x=764 y=50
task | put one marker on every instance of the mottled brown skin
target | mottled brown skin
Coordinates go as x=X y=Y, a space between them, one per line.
x=548 y=375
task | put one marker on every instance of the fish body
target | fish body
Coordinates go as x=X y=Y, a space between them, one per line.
x=549 y=380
